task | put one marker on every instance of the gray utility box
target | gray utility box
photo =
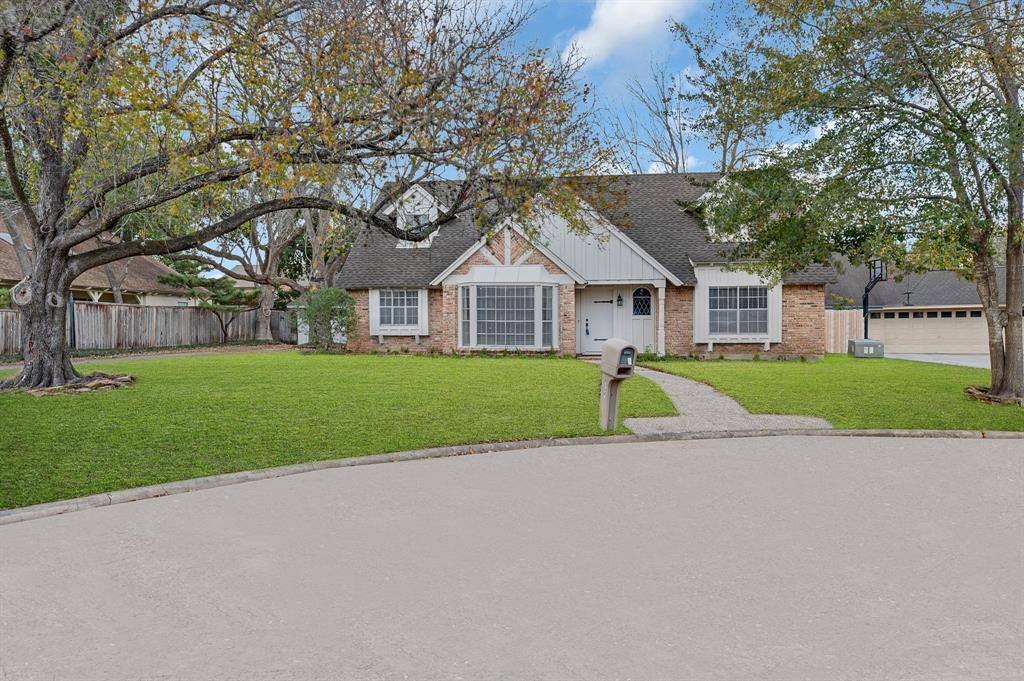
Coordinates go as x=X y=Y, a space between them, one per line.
x=866 y=348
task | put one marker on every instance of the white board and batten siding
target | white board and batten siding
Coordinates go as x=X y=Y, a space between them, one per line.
x=708 y=277
x=600 y=256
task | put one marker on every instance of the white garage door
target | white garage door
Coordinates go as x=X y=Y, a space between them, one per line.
x=931 y=331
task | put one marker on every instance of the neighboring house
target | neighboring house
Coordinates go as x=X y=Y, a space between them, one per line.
x=241 y=283
x=137 y=278
x=646 y=273
x=932 y=312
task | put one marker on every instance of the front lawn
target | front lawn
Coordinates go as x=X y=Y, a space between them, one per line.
x=856 y=393
x=188 y=417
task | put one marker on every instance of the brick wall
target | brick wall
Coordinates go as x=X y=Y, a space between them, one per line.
x=678 y=320
x=803 y=320
x=567 y=319
x=803 y=327
x=361 y=341
x=478 y=258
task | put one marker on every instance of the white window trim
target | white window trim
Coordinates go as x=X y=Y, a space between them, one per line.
x=650 y=297
x=742 y=337
x=538 y=331
x=708 y=277
x=420 y=329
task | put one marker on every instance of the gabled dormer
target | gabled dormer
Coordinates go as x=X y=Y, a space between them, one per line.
x=417 y=207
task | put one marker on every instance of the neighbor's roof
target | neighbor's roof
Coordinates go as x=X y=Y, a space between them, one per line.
x=645 y=207
x=142 y=275
x=927 y=289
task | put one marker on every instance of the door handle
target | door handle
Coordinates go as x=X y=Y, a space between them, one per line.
x=586 y=325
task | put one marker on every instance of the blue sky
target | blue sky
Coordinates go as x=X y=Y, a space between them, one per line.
x=619 y=38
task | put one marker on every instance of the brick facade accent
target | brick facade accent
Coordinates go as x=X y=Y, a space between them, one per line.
x=803 y=320
x=567 y=319
x=678 y=320
x=477 y=258
x=362 y=341
x=520 y=246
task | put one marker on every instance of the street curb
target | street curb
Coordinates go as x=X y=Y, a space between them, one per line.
x=17 y=515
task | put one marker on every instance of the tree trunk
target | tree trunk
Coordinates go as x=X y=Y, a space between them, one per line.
x=1011 y=380
x=1005 y=339
x=42 y=299
x=988 y=293
x=264 y=331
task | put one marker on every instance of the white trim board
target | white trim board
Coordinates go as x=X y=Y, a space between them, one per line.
x=482 y=243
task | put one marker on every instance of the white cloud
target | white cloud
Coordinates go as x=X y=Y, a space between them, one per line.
x=692 y=163
x=617 y=24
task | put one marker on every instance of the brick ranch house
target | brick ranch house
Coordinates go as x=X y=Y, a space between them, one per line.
x=647 y=272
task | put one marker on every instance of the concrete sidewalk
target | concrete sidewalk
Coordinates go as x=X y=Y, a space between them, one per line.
x=760 y=558
x=702 y=408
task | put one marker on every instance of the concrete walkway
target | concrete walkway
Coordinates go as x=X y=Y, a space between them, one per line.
x=977 y=361
x=763 y=558
x=702 y=408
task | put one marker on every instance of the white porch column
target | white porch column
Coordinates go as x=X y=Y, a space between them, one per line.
x=661 y=320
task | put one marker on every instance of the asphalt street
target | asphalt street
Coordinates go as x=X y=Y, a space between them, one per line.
x=770 y=558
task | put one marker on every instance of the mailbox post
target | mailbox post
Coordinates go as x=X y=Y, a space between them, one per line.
x=617 y=361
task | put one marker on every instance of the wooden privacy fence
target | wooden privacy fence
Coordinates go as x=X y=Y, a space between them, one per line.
x=842 y=326
x=103 y=326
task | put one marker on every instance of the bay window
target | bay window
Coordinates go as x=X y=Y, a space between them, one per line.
x=737 y=310
x=507 y=316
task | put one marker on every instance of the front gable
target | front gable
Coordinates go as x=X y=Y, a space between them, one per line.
x=507 y=250
x=605 y=255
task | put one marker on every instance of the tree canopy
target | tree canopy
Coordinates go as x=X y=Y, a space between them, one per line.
x=914 y=135
x=151 y=121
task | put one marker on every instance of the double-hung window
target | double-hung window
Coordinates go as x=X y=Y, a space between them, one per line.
x=507 y=316
x=738 y=311
x=399 y=307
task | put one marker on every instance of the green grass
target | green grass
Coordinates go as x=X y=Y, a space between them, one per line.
x=856 y=393
x=193 y=416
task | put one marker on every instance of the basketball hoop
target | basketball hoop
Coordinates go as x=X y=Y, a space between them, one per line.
x=877 y=271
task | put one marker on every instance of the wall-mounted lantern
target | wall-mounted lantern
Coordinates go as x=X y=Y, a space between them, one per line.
x=618 y=300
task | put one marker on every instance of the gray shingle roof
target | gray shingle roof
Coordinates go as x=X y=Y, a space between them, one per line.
x=376 y=261
x=647 y=211
x=935 y=288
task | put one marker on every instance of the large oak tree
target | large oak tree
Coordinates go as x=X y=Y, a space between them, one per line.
x=161 y=113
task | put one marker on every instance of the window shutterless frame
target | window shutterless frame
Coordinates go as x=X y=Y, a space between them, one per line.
x=737 y=311
x=399 y=307
x=507 y=316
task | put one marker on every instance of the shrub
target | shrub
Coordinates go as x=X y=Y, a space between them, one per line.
x=326 y=312
x=5 y=298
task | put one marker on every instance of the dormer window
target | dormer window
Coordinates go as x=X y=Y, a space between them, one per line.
x=413 y=213
x=414 y=222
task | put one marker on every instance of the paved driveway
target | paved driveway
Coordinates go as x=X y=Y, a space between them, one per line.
x=777 y=558
x=979 y=361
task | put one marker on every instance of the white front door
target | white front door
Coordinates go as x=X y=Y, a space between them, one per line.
x=597 y=316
